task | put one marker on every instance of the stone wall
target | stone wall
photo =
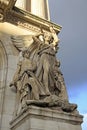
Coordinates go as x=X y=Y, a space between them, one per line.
x=37 y=118
x=8 y=61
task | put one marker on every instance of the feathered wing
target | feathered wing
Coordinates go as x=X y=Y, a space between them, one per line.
x=30 y=42
x=21 y=42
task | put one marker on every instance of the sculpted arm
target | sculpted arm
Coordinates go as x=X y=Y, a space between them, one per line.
x=54 y=36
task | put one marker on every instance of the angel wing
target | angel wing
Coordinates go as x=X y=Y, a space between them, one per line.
x=30 y=42
x=21 y=42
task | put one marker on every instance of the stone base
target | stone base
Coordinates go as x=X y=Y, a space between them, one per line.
x=36 y=118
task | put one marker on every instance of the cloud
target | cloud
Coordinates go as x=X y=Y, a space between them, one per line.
x=84 y=125
x=73 y=38
x=78 y=95
x=73 y=49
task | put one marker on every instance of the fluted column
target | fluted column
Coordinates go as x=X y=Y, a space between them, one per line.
x=40 y=8
x=36 y=7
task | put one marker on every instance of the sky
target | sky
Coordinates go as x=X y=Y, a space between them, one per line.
x=72 y=16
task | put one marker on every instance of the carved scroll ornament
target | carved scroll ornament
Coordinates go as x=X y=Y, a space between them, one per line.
x=5 y=5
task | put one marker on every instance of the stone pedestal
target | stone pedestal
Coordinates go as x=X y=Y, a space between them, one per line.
x=36 y=118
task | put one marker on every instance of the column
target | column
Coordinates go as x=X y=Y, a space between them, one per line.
x=36 y=7
x=40 y=8
x=21 y=4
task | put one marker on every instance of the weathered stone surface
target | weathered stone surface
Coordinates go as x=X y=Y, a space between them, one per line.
x=22 y=23
x=7 y=69
x=5 y=5
x=36 y=118
x=38 y=76
x=8 y=63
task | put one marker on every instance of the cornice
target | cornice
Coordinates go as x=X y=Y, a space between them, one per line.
x=11 y=14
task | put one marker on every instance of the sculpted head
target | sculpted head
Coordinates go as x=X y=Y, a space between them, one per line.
x=51 y=29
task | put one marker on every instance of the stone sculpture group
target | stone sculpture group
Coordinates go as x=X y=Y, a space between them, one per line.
x=38 y=78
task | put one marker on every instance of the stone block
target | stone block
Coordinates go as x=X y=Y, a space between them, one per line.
x=5 y=128
x=6 y=118
x=10 y=75
x=36 y=118
x=12 y=61
x=10 y=91
x=9 y=105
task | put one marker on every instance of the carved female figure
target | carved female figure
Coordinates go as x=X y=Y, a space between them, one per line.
x=27 y=85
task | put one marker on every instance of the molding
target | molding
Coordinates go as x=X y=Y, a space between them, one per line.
x=11 y=14
x=47 y=114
